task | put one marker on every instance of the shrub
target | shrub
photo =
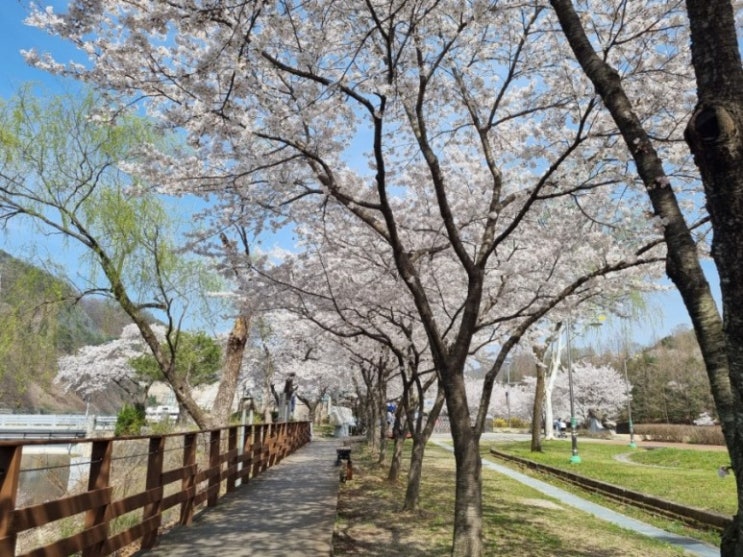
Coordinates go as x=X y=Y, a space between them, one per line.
x=707 y=435
x=130 y=420
x=678 y=433
x=516 y=423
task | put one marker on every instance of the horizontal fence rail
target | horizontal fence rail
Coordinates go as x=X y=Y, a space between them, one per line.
x=696 y=518
x=124 y=490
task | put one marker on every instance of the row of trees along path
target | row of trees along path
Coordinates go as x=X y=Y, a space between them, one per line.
x=461 y=177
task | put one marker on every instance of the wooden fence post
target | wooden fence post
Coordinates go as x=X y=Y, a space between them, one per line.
x=153 y=482
x=214 y=468
x=258 y=439
x=247 y=453
x=10 y=471
x=99 y=478
x=273 y=431
x=283 y=441
x=188 y=484
x=293 y=436
x=232 y=463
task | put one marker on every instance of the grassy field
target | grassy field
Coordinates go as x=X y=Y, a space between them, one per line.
x=686 y=476
x=518 y=521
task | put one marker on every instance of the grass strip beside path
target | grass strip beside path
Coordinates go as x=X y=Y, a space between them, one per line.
x=518 y=521
x=685 y=476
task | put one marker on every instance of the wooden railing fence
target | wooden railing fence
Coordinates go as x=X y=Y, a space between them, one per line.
x=134 y=486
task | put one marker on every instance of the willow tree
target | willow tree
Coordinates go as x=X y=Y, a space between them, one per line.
x=62 y=172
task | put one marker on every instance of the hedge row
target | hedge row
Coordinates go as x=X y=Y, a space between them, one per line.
x=676 y=433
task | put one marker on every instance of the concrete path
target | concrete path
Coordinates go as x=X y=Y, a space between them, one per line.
x=694 y=547
x=288 y=511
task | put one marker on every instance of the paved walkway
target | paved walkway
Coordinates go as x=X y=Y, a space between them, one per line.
x=694 y=547
x=288 y=511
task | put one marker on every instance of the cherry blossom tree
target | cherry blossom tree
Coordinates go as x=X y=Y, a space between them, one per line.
x=600 y=391
x=318 y=364
x=93 y=369
x=366 y=314
x=494 y=185
x=516 y=400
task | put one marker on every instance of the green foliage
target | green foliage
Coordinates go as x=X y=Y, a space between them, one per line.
x=40 y=321
x=669 y=382
x=198 y=360
x=686 y=476
x=61 y=173
x=130 y=420
x=161 y=428
x=518 y=423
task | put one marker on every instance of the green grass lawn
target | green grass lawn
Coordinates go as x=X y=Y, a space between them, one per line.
x=517 y=520
x=686 y=476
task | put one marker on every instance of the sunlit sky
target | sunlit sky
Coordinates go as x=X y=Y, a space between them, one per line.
x=665 y=313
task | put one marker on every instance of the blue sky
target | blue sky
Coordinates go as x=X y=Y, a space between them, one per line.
x=14 y=36
x=666 y=310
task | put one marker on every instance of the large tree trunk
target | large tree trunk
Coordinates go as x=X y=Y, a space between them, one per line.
x=415 y=472
x=468 y=491
x=384 y=427
x=468 y=502
x=714 y=135
x=231 y=371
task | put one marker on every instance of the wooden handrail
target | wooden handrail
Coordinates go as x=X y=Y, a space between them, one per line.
x=113 y=517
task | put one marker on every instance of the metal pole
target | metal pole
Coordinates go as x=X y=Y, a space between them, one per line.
x=632 y=443
x=508 y=406
x=575 y=458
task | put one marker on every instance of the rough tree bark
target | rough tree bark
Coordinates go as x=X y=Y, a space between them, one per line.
x=714 y=135
x=468 y=489
x=233 y=359
x=420 y=438
x=537 y=411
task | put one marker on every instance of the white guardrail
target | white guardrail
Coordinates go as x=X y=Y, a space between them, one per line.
x=61 y=422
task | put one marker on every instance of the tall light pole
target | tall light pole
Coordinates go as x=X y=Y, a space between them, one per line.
x=508 y=389
x=575 y=457
x=632 y=443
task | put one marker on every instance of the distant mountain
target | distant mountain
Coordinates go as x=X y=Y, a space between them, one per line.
x=42 y=318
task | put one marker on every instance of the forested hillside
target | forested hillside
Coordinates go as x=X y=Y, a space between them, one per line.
x=44 y=317
x=669 y=381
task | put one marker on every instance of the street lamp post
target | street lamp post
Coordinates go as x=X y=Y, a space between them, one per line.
x=575 y=457
x=632 y=443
